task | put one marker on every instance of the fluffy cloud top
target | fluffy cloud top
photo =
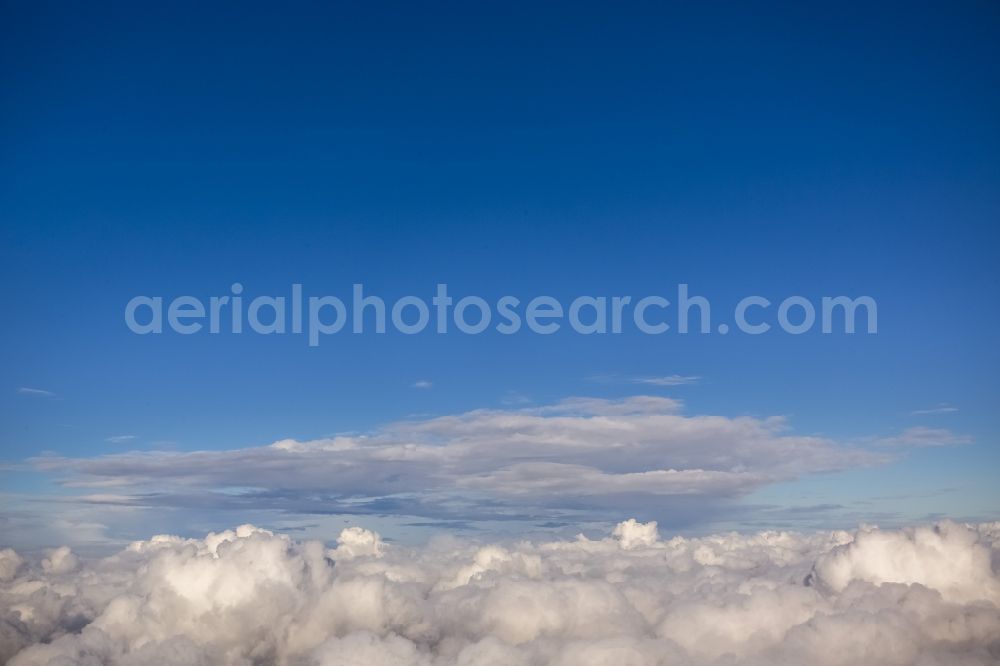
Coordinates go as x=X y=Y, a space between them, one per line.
x=925 y=596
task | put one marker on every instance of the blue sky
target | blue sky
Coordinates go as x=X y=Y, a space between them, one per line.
x=564 y=150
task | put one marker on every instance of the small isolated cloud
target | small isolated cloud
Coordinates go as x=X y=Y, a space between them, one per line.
x=922 y=436
x=943 y=408
x=422 y=384
x=41 y=393
x=120 y=439
x=925 y=595
x=669 y=380
x=512 y=398
x=164 y=444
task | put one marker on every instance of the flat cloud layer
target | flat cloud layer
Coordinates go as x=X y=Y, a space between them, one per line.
x=582 y=454
x=926 y=595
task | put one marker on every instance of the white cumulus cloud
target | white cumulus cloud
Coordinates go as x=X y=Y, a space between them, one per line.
x=926 y=595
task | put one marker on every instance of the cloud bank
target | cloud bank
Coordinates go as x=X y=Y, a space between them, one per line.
x=926 y=595
x=580 y=457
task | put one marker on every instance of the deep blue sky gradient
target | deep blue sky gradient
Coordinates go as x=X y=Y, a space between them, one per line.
x=524 y=149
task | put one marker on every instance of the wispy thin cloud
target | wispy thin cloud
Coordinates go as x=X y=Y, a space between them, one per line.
x=943 y=408
x=422 y=384
x=922 y=436
x=121 y=439
x=668 y=380
x=41 y=393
